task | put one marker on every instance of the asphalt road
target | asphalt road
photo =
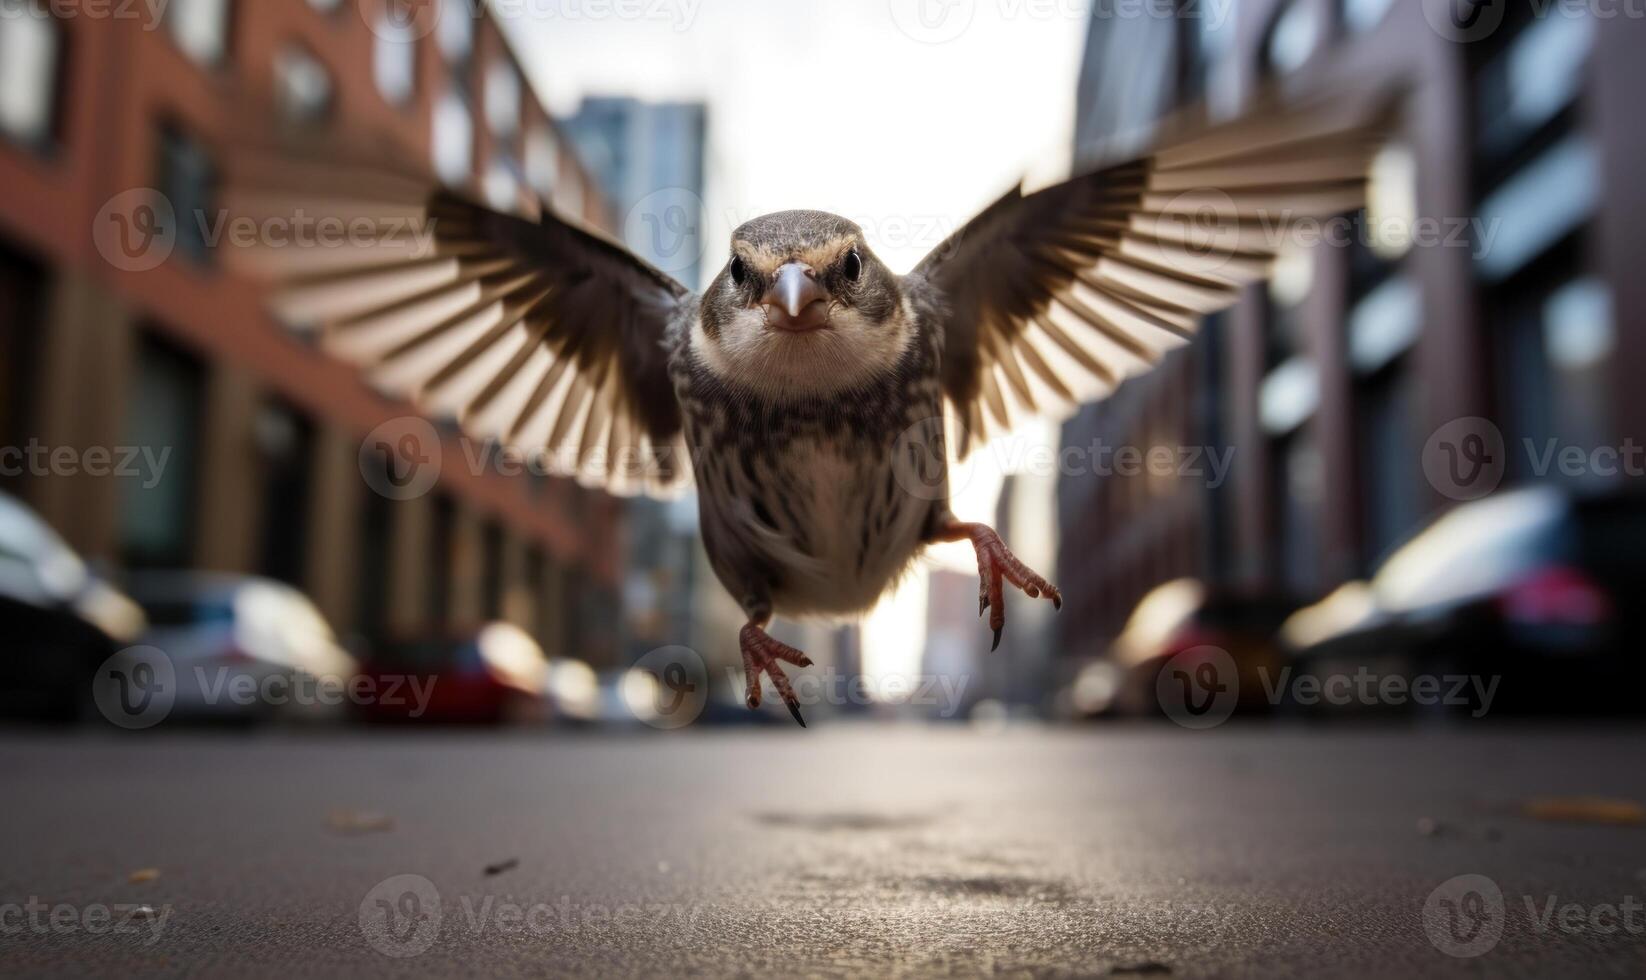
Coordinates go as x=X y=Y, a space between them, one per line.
x=844 y=851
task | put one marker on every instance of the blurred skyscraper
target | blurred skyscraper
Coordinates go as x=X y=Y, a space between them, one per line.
x=648 y=159
x=644 y=152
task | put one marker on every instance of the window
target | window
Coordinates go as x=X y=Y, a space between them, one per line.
x=542 y=161
x=394 y=59
x=157 y=516
x=188 y=180
x=503 y=100
x=454 y=31
x=1544 y=202
x=22 y=288
x=1292 y=37
x=302 y=85
x=375 y=552
x=200 y=28
x=1530 y=83
x=501 y=188
x=491 y=570
x=285 y=446
x=453 y=139
x=1360 y=16
x=442 y=557
x=30 y=48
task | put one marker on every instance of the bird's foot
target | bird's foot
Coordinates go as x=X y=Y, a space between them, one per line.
x=996 y=563
x=761 y=653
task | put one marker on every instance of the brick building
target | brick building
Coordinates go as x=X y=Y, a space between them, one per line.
x=1518 y=134
x=264 y=431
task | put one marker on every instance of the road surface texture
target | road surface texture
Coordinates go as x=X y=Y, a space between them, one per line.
x=851 y=851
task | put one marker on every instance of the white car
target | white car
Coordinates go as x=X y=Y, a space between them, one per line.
x=243 y=647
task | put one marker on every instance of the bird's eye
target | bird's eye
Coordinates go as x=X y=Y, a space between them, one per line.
x=853 y=266
x=740 y=272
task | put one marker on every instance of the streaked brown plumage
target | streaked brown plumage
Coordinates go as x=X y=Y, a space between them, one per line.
x=804 y=392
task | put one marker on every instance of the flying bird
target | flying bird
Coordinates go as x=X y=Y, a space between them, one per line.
x=805 y=390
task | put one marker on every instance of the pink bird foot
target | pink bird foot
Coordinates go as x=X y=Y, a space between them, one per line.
x=761 y=653
x=995 y=562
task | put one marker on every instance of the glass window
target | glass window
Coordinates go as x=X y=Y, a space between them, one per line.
x=1545 y=201
x=285 y=444
x=453 y=139
x=200 y=28
x=501 y=188
x=454 y=31
x=188 y=179
x=1360 y=16
x=302 y=85
x=30 y=47
x=503 y=100
x=1538 y=76
x=157 y=517
x=1292 y=37
x=394 y=59
x=542 y=161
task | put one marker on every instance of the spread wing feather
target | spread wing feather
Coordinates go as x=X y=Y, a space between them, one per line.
x=535 y=331
x=1053 y=298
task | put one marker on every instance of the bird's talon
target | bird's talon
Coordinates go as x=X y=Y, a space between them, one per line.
x=996 y=644
x=761 y=654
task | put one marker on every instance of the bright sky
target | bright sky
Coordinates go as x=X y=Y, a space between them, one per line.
x=907 y=116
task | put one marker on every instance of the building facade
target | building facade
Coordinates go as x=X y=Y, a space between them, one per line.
x=1509 y=298
x=262 y=433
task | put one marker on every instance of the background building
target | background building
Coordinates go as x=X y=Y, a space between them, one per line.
x=1327 y=383
x=265 y=433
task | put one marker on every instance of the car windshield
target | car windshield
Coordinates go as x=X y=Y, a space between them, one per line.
x=184 y=612
x=1473 y=550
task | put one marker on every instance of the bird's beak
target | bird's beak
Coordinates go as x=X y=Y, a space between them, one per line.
x=795 y=301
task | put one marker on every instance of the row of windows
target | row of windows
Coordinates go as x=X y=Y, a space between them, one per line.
x=31 y=54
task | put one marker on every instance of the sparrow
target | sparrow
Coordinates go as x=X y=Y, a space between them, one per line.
x=813 y=396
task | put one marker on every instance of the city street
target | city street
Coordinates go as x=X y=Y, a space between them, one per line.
x=853 y=850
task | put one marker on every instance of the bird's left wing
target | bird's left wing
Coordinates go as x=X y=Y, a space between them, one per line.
x=536 y=331
x=1050 y=299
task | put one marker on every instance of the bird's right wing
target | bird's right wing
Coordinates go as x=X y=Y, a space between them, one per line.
x=541 y=333
x=1052 y=298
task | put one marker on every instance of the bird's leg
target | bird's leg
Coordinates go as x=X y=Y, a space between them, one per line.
x=994 y=563
x=761 y=653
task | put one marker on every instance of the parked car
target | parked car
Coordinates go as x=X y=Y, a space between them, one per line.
x=60 y=620
x=1536 y=587
x=487 y=675
x=1177 y=617
x=243 y=648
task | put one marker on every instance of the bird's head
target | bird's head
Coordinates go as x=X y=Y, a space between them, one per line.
x=802 y=307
